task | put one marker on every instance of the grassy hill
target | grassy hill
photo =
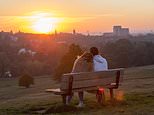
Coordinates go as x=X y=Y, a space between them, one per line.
x=134 y=97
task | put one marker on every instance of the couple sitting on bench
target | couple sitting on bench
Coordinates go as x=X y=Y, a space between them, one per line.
x=88 y=62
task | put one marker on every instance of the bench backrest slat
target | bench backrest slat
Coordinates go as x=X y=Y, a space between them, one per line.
x=91 y=79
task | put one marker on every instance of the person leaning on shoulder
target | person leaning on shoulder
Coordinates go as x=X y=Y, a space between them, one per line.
x=83 y=63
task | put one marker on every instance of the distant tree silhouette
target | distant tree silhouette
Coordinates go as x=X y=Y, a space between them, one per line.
x=4 y=63
x=66 y=63
x=119 y=53
x=128 y=52
x=124 y=53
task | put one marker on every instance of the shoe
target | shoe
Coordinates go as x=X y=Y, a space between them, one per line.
x=68 y=100
x=67 y=103
x=80 y=105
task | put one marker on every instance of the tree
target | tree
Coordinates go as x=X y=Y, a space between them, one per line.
x=66 y=63
x=4 y=63
x=26 y=80
x=120 y=53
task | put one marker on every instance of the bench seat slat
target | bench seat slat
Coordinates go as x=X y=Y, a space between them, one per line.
x=84 y=81
x=89 y=75
x=90 y=83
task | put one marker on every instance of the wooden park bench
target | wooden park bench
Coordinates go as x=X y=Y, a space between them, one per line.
x=89 y=81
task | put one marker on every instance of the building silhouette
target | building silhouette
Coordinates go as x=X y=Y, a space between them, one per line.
x=118 y=31
x=74 y=31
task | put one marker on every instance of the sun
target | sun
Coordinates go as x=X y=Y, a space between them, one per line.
x=44 y=23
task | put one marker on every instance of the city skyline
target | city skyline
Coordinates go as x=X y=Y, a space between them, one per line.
x=93 y=16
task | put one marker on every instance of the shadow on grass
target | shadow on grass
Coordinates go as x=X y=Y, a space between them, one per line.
x=141 y=102
x=53 y=109
x=60 y=108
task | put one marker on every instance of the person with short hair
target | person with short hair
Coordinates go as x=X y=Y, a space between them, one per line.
x=99 y=62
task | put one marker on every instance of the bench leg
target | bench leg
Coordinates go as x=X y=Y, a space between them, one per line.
x=64 y=99
x=103 y=98
x=111 y=94
x=100 y=95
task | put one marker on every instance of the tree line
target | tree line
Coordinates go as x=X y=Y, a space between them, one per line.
x=122 y=53
x=57 y=58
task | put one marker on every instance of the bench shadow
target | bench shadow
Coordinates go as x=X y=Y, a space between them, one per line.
x=60 y=108
x=54 y=109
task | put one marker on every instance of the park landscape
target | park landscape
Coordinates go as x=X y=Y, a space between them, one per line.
x=135 y=96
x=41 y=41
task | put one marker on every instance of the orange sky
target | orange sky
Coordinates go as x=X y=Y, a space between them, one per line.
x=83 y=15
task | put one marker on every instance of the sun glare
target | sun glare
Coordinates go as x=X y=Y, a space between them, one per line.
x=43 y=23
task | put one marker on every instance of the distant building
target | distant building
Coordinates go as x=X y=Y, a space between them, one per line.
x=74 y=32
x=24 y=51
x=109 y=34
x=118 y=31
x=55 y=32
x=5 y=35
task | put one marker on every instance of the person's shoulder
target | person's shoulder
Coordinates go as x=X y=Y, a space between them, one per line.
x=100 y=56
x=103 y=58
x=96 y=56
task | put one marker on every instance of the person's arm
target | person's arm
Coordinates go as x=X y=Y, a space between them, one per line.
x=74 y=66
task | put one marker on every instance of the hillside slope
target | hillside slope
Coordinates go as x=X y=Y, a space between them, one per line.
x=136 y=94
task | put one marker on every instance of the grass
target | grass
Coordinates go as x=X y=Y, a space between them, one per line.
x=133 y=104
x=134 y=97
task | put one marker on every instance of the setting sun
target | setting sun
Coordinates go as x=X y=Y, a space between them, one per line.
x=44 y=23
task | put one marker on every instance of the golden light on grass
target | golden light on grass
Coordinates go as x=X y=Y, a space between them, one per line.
x=120 y=95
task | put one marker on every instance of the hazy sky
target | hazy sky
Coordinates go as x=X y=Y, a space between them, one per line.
x=83 y=15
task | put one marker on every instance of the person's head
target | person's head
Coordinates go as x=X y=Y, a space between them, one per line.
x=87 y=56
x=94 y=51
